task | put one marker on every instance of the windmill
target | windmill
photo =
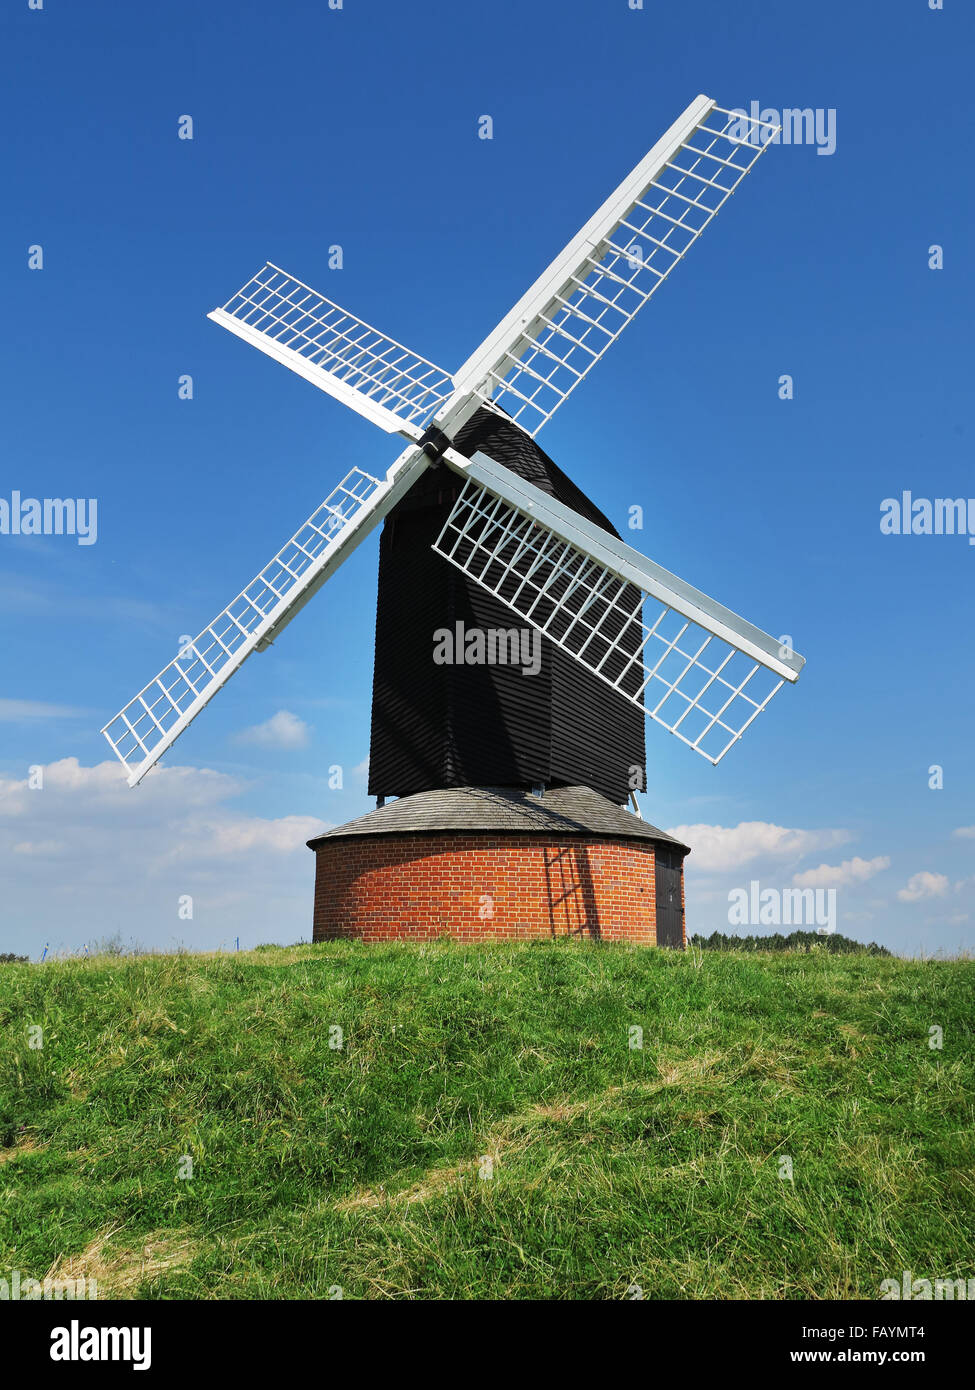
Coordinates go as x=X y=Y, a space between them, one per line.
x=512 y=531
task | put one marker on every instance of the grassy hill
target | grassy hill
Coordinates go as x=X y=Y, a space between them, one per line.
x=365 y=1167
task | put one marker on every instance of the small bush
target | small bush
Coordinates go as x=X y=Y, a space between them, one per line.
x=832 y=942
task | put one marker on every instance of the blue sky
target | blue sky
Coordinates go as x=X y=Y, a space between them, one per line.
x=358 y=127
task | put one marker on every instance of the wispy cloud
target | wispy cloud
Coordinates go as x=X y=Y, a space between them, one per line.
x=24 y=594
x=841 y=875
x=218 y=839
x=718 y=847
x=282 y=730
x=924 y=885
x=16 y=711
x=127 y=858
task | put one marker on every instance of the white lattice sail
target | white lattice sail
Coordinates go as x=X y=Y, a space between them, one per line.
x=341 y=354
x=151 y=722
x=697 y=669
x=580 y=305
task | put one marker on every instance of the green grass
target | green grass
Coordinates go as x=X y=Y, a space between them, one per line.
x=360 y=1168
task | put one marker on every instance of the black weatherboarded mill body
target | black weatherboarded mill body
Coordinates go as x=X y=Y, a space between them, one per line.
x=438 y=724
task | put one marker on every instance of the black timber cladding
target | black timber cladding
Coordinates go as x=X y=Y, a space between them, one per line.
x=457 y=725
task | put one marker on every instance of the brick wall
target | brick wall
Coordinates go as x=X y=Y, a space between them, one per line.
x=381 y=887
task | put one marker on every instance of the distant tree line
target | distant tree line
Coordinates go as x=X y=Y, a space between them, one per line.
x=7 y=958
x=832 y=942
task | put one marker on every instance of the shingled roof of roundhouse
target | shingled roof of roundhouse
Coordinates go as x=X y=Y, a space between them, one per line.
x=502 y=810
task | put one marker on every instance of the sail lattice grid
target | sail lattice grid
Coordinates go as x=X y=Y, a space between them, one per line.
x=694 y=683
x=603 y=292
x=152 y=721
x=284 y=313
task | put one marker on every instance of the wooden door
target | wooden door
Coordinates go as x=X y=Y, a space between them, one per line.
x=670 y=909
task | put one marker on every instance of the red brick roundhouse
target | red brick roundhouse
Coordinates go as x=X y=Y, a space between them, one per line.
x=478 y=863
x=511 y=778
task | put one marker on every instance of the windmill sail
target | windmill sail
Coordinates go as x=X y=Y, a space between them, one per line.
x=701 y=671
x=581 y=303
x=152 y=722
x=697 y=668
x=376 y=376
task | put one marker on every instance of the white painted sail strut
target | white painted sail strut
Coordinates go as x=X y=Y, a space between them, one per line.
x=563 y=575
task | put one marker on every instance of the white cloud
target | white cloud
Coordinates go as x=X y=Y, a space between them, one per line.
x=282 y=730
x=841 y=875
x=181 y=802
x=104 y=786
x=718 y=847
x=282 y=836
x=965 y=832
x=924 y=885
x=125 y=857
